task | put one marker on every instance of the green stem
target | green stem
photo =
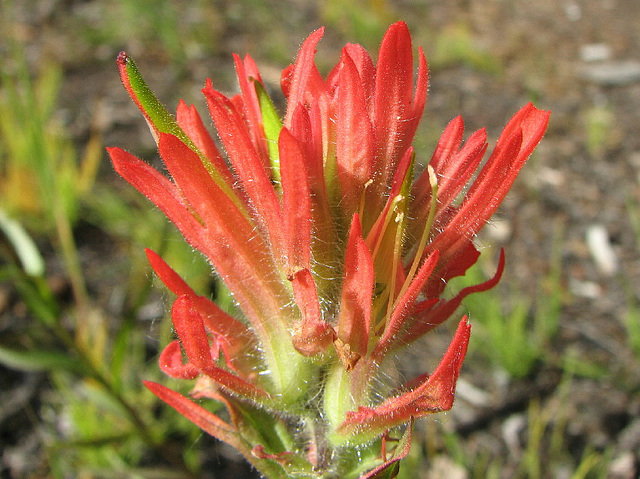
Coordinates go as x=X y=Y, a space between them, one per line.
x=74 y=270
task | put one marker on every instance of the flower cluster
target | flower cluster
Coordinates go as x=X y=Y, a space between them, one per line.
x=336 y=249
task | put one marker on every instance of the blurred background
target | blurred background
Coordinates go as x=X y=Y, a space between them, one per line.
x=551 y=386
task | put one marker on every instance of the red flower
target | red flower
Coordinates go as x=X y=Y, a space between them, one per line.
x=336 y=257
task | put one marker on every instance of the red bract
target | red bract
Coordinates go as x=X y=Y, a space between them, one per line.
x=334 y=255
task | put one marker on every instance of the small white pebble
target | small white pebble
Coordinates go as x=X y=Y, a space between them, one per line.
x=585 y=289
x=511 y=429
x=573 y=11
x=622 y=467
x=595 y=52
x=601 y=250
x=474 y=395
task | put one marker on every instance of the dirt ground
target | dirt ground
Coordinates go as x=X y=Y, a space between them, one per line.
x=579 y=193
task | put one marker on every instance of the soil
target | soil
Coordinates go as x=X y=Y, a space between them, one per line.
x=578 y=197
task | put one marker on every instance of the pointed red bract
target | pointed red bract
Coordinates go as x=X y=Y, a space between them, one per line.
x=435 y=394
x=396 y=111
x=366 y=72
x=207 y=421
x=354 y=320
x=455 y=171
x=302 y=72
x=167 y=275
x=247 y=74
x=354 y=136
x=454 y=166
x=296 y=203
x=517 y=141
x=161 y=192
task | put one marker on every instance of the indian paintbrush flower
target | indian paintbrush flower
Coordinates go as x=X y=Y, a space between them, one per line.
x=335 y=250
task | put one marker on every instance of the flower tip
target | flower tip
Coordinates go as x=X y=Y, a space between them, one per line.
x=541 y=115
x=123 y=58
x=458 y=347
x=398 y=28
x=120 y=159
x=464 y=328
x=399 y=25
x=312 y=40
x=150 y=385
x=152 y=256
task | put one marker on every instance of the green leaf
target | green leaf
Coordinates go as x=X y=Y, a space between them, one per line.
x=272 y=126
x=22 y=245
x=38 y=360
x=158 y=115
